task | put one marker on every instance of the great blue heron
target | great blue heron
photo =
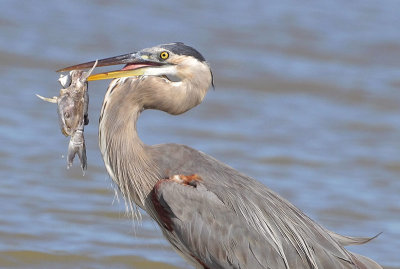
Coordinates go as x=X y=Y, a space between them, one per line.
x=214 y=216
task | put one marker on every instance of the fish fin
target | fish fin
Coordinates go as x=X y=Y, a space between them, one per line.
x=71 y=154
x=91 y=70
x=82 y=157
x=50 y=100
x=86 y=119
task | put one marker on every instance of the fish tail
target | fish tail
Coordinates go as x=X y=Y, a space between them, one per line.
x=71 y=154
x=82 y=157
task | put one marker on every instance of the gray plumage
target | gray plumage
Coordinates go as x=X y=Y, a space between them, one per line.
x=214 y=216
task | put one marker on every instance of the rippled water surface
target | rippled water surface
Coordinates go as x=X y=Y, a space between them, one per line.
x=307 y=100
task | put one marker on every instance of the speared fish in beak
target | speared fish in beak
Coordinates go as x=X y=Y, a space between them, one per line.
x=72 y=103
x=136 y=64
x=72 y=108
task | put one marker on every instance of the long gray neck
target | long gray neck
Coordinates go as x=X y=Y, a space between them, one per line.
x=124 y=154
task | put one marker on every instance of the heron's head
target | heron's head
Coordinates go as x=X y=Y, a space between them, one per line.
x=175 y=61
x=174 y=77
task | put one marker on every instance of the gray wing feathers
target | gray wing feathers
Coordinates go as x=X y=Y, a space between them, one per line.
x=365 y=262
x=281 y=235
x=345 y=240
x=204 y=226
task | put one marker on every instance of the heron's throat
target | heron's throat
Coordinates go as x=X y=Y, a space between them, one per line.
x=124 y=154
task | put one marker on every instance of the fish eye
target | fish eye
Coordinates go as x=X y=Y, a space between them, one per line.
x=66 y=114
x=164 y=55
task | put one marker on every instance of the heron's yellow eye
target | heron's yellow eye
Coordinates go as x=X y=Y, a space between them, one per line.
x=164 y=55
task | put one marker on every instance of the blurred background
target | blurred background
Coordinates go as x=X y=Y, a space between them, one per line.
x=306 y=100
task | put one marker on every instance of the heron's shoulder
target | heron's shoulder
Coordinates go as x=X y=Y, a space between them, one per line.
x=182 y=159
x=172 y=152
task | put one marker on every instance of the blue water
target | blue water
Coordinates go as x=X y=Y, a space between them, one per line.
x=307 y=100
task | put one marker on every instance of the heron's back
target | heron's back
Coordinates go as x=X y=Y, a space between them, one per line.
x=296 y=240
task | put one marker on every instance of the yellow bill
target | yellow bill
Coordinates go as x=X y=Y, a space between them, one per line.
x=117 y=74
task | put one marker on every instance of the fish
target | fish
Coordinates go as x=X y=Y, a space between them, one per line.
x=72 y=110
x=77 y=146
